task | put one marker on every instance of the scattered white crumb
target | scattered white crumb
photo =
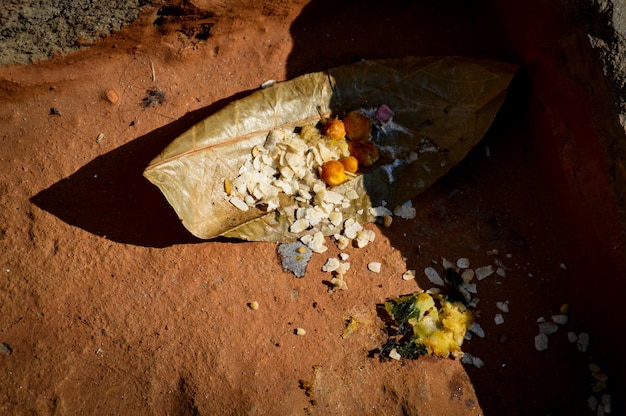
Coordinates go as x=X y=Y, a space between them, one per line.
x=503 y=306
x=315 y=242
x=572 y=337
x=560 y=319
x=238 y=203
x=351 y=227
x=338 y=283
x=593 y=403
x=463 y=263
x=583 y=342
x=268 y=83
x=393 y=354
x=541 y=342
x=471 y=359
x=434 y=291
x=483 y=272
x=342 y=241
x=606 y=402
x=470 y=287
x=300 y=331
x=344 y=256
x=331 y=265
x=498 y=319
x=405 y=211
x=343 y=268
x=501 y=272
x=548 y=328
x=563 y=266
x=477 y=329
x=447 y=264
x=408 y=275
x=364 y=237
x=374 y=266
x=467 y=275
x=433 y=276
x=381 y=211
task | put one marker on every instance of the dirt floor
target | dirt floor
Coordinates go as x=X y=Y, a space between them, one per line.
x=109 y=306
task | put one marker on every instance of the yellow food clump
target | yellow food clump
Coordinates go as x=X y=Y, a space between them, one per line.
x=365 y=152
x=335 y=129
x=441 y=331
x=333 y=173
x=350 y=163
x=358 y=126
x=310 y=133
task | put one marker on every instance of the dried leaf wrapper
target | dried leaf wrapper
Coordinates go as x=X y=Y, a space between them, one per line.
x=441 y=108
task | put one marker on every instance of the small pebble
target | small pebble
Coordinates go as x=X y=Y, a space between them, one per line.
x=112 y=96
x=498 y=319
x=5 y=349
x=300 y=331
x=254 y=305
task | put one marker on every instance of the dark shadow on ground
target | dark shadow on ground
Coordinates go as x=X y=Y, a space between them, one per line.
x=329 y=33
x=515 y=199
x=109 y=196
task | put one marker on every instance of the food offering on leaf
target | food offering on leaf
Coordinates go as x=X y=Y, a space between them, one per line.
x=296 y=172
x=421 y=324
x=252 y=169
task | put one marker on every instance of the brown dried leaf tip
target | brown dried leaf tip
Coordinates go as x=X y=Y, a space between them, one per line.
x=153 y=97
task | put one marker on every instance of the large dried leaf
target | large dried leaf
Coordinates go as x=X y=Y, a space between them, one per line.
x=445 y=106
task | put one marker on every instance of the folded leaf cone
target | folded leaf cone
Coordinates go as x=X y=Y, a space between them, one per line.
x=442 y=108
